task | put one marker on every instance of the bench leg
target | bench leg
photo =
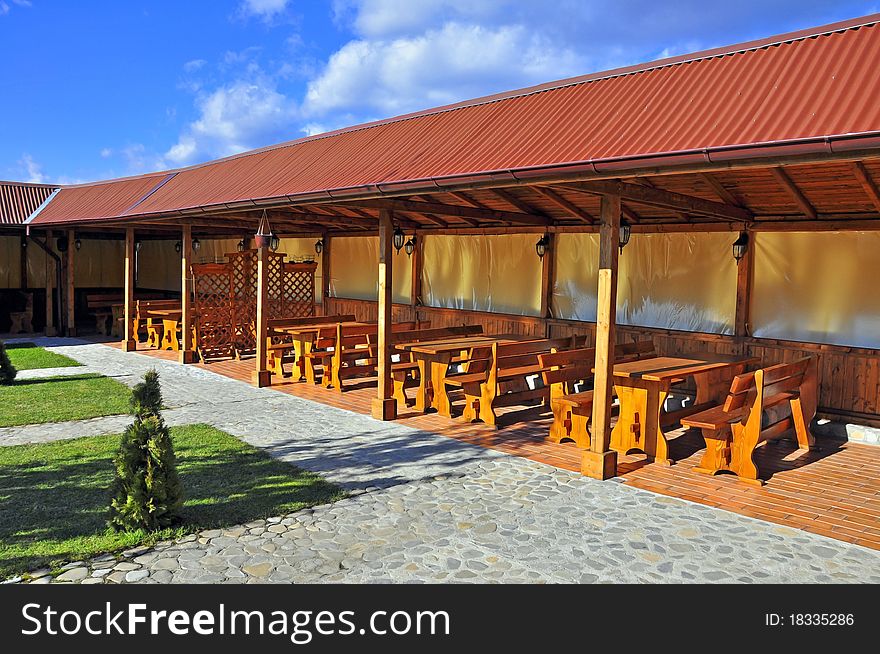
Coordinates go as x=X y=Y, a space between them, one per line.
x=399 y=380
x=487 y=399
x=745 y=441
x=559 y=429
x=472 y=407
x=580 y=419
x=716 y=457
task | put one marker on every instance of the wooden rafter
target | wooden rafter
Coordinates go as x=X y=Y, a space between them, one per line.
x=665 y=199
x=644 y=181
x=565 y=204
x=516 y=203
x=796 y=194
x=457 y=210
x=468 y=200
x=867 y=182
x=721 y=191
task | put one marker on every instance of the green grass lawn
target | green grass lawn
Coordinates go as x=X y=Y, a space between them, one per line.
x=54 y=497
x=56 y=399
x=27 y=356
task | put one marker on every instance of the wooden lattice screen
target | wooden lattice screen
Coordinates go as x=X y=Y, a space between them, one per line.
x=213 y=303
x=291 y=289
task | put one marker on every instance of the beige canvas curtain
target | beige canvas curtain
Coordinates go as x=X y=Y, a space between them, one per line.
x=159 y=266
x=499 y=273
x=354 y=267
x=818 y=287
x=671 y=281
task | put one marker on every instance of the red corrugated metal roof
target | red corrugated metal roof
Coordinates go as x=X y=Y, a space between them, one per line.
x=18 y=200
x=815 y=84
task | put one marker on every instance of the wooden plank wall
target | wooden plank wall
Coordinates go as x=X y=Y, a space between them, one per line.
x=849 y=377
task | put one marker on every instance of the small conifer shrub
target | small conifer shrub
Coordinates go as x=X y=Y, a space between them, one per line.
x=7 y=370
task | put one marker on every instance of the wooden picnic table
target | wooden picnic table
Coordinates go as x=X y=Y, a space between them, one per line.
x=170 y=323
x=642 y=387
x=303 y=337
x=434 y=357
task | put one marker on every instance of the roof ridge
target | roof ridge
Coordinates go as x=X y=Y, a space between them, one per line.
x=700 y=55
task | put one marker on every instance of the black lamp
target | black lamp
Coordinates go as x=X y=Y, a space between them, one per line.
x=196 y=244
x=137 y=246
x=274 y=242
x=410 y=246
x=241 y=245
x=178 y=247
x=319 y=246
x=398 y=238
x=740 y=245
x=541 y=246
x=625 y=231
x=78 y=244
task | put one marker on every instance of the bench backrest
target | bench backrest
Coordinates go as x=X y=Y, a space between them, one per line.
x=305 y=321
x=568 y=366
x=506 y=356
x=368 y=335
x=754 y=389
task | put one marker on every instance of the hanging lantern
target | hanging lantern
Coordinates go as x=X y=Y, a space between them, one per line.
x=274 y=242
x=78 y=244
x=398 y=238
x=241 y=245
x=137 y=246
x=61 y=244
x=178 y=247
x=319 y=246
x=410 y=246
x=740 y=245
x=541 y=246
x=263 y=237
x=625 y=231
x=196 y=244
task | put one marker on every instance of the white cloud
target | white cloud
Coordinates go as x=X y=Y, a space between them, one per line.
x=194 y=65
x=399 y=75
x=106 y=153
x=242 y=115
x=33 y=171
x=4 y=8
x=265 y=9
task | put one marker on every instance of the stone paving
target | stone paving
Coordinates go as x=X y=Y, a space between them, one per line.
x=429 y=509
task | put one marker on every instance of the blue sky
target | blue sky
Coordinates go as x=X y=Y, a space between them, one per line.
x=94 y=89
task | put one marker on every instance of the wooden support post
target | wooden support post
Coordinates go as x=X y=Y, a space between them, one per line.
x=262 y=376
x=416 y=262
x=50 y=301
x=384 y=405
x=187 y=347
x=600 y=462
x=745 y=273
x=548 y=274
x=22 y=250
x=325 y=274
x=129 y=344
x=69 y=291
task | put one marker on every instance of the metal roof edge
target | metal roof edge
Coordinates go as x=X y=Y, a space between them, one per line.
x=36 y=212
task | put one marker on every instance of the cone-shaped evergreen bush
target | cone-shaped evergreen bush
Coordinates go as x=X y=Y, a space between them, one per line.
x=146 y=492
x=7 y=370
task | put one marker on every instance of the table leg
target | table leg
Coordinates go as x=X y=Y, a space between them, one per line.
x=170 y=340
x=638 y=424
x=440 y=400
x=422 y=403
x=298 y=361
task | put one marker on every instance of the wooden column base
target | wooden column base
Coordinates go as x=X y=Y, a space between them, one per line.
x=384 y=409
x=261 y=378
x=71 y=332
x=187 y=356
x=599 y=465
x=129 y=346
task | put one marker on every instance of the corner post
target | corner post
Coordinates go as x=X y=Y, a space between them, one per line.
x=50 y=301
x=548 y=279
x=600 y=462
x=384 y=405
x=745 y=273
x=261 y=376
x=71 y=300
x=129 y=344
x=325 y=274
x=187 y=347
x=417 y=263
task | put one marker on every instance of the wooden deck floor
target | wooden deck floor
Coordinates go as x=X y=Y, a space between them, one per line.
x=834 y=491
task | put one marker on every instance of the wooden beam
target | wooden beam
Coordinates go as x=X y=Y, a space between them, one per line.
x=516 y=203
x=415 y=299
x=548 y=274
x=600 y=461
x=644 y=181
x=468 y=200
x=51 y=267
x=384 y=406
x=325 y=271
x=187 y=352
x=22 y=259
x=70 y=294
x=796 y=194
x=457 y=210
x=566 y=205
x=721 y=191
x=630 y=214
x=661 y=198
x=261 y=375
x=745 y=273
x=129 y=343
x=867 y=183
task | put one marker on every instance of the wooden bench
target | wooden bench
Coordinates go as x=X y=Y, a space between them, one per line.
x=501 y=378
x=100 y=305
x=563 y=371
x=405 y=373
x=23 y=321
x=280 y=347
x=354 y=352
x=762 y=405
x=153 y=327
